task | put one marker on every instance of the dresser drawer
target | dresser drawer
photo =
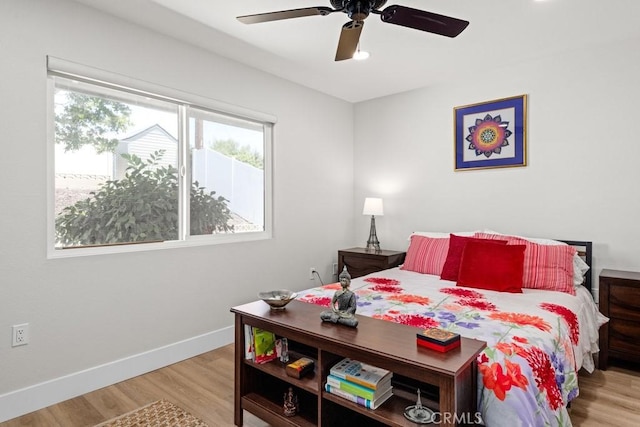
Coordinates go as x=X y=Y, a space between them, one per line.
x=362 y=266
x=624 y=336
x=624 y=303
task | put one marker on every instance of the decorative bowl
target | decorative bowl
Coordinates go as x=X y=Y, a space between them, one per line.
x=277 y=299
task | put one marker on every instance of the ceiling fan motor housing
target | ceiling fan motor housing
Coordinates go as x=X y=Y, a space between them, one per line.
x=357 y=10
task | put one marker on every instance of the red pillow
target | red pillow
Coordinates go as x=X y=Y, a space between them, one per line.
x=426 y=255
x=454 y=255
x=548 y=267
x=494 y=267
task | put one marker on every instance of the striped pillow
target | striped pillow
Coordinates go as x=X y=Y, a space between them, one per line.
x=426 y=255
x=547 y=267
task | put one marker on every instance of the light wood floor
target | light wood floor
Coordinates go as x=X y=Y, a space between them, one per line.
x=203 y=386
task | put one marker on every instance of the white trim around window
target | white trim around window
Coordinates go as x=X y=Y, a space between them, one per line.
x=57 y=67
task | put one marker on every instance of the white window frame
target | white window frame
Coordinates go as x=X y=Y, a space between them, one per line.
x=72 y=70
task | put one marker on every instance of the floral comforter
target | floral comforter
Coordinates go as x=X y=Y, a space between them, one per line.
x=536 y=341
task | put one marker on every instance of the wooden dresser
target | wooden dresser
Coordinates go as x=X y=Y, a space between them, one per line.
x=360 y=262
x=620 y=302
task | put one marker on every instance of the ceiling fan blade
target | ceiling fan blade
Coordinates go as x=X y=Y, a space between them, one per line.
x=285 y=14
x=423 y=20
x=349 y=38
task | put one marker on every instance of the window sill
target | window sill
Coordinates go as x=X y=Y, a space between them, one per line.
x=154 y=246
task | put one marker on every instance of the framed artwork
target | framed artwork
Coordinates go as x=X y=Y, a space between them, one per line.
x=491 y=134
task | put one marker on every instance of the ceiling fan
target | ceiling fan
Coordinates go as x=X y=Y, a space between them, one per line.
x=358 y=11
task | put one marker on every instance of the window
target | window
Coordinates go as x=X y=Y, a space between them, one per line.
x=132 y=167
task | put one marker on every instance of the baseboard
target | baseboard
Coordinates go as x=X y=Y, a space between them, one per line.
x=38 y=396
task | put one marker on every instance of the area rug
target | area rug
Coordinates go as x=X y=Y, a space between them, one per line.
x=160 y=413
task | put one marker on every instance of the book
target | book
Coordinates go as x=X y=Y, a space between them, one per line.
x=438 y=347
x=300 y=367
x=357 y=389
x=264 y=345
x=248 y=343
x=438 y=336
x=370 y=404
x=360 y=373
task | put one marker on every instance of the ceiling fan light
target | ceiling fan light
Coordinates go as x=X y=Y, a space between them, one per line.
x=360 y=55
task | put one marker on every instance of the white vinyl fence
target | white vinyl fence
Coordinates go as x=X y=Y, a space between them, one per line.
x=238 y=182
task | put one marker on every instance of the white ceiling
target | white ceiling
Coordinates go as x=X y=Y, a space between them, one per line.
x=501 y=32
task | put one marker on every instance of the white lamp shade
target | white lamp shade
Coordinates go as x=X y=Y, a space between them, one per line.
x=373 y=206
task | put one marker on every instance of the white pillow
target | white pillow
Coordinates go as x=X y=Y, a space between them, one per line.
x=439 y=235
x=580 y=268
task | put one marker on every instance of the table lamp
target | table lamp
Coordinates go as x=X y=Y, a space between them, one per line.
x=373 y=207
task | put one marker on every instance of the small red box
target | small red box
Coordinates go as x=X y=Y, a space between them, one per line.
x=438 y=347
x=438 y=336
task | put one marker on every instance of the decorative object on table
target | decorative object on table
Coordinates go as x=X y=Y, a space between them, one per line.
x=277 y=299
x=491 y=134
x=290 y=406
x=300 y=367
x=361 y=373
x=343 y=304
x=373 y=206
x=282 y=349
x=264 y=345
x=419 y=414
x=438 y=339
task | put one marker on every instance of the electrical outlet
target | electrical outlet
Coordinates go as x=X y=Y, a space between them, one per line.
x=335 y=268
x=312 y=273
x=20 y=335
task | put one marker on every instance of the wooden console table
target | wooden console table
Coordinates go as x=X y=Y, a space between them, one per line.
x=259 y=388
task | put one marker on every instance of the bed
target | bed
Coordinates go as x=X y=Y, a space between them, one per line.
x=535 y=311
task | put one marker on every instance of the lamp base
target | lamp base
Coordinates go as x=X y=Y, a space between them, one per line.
x=373 y=244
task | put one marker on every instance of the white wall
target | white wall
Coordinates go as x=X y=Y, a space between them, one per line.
x=85 y=312
x=582 y=177
x=581 y=183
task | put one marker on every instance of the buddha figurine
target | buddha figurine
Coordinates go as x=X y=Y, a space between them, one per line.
x=290 y=406
x=343 y=304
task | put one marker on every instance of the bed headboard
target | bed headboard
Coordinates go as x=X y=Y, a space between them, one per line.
x=584 y=251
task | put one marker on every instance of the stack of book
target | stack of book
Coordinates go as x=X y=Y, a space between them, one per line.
x=366 y=385
x=438 y=339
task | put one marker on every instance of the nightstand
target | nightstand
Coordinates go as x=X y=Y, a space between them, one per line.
x=361 y=262
x=620 y=302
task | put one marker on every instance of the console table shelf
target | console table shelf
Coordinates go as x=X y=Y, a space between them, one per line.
x=260 y=388
x=277 y=369
x=272 y=412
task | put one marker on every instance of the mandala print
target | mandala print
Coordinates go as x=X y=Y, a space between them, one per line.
x=488 y=135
